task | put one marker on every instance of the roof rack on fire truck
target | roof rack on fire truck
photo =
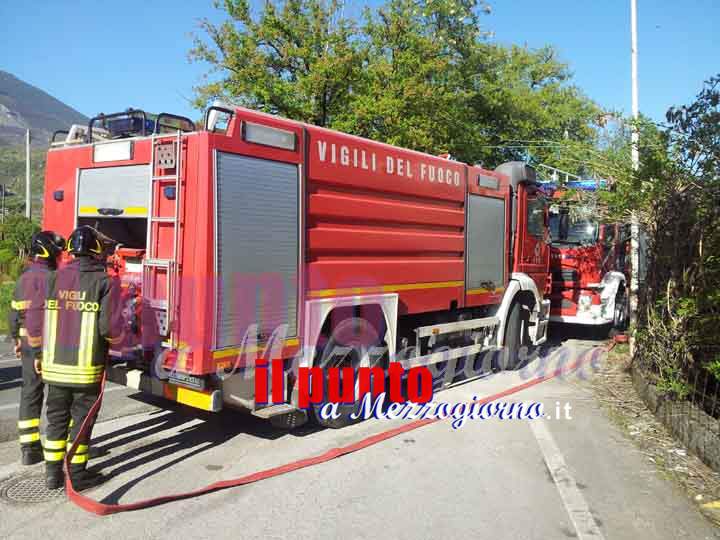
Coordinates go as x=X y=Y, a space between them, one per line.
x=128 y=123
x=136 y=122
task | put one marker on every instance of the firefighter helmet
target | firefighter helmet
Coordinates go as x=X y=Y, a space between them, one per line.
x=85 y=241
x=46 y=245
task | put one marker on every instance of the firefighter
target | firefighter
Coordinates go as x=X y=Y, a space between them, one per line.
x=26 y=329
x=82 y=317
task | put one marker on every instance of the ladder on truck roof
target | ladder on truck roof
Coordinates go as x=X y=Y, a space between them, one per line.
x=161 y=266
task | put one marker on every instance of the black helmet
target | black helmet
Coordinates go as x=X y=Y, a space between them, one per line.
x=85 y=241
x=46 y=245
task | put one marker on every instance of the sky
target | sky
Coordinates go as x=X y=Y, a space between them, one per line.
x=107 y=56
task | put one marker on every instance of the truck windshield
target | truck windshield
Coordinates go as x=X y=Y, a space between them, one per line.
x=581 y=231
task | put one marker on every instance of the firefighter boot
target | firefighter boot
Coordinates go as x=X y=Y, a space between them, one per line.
x=54 y=476
x=83 y=479
x=31 y=455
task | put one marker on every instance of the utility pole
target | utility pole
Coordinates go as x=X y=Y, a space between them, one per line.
x=635 y=138
x=27 y=174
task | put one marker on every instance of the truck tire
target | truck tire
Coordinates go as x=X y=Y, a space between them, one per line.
x=620 y=317
x=510 y=357
x=349 y=343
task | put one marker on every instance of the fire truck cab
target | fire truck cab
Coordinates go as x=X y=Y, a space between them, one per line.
x=589 y=265
x=253 y=236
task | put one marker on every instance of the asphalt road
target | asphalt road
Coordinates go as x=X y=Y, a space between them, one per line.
x=515 y=479
x=120 y=401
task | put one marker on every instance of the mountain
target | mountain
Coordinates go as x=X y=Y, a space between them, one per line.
x=23 y=106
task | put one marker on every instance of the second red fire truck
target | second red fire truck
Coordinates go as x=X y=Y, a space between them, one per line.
x=256 y=236
x=588 y=263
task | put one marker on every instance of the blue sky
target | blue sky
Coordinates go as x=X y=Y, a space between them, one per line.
x=107 y=56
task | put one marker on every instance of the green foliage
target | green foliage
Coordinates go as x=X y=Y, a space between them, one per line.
x=676 y=193
x=6 y=255
x=12 y=175
x=419 y=74
x=298 y=59
x=714 y=367
x=16 y=234
x=6 y=293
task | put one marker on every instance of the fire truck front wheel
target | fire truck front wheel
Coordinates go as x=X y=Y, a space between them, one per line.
x=620 y=316
x=354 y=342
x=510 y=356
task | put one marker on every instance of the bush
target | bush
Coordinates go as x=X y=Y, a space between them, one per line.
x=6 y=294
x=677 y=338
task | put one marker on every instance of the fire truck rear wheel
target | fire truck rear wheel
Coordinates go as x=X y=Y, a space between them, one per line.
x=351 y=341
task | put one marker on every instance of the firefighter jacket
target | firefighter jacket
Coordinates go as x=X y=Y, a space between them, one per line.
x=26 y=313
x=82 y=318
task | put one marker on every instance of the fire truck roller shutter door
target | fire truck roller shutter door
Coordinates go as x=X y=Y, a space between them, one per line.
x=257 y=203
x=486 y=242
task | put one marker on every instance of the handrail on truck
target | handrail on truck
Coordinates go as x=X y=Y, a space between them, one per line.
x=130 y=113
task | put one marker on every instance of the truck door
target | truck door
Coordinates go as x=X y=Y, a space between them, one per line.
x=533 y=253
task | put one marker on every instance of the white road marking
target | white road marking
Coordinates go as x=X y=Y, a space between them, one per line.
x=575 y=504
x=107 y=390
x=11 y=361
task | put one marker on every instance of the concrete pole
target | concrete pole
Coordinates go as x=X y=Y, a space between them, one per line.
x=634 y=223
x=27 y=174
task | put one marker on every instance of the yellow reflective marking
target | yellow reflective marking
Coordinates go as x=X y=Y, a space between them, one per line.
x=324 y=293
x=87 y=338
x=90 y=338
x=60 y=378
x=54 y=456
x=82 y=340
x=54 y=445
x=83 y=458
x=32 y=437
x=485 y=291
x=49 y=334
x=82 y=449
x=27 y=424
x=128 y=210
x=20 y=305
x=72 y=370
x=187 y=396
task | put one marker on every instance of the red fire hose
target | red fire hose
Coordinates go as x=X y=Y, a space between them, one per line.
x=103 y=509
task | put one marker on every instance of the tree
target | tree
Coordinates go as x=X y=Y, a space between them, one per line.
x=676 y=195
x=298 y=58
x=524 y=100
x=415 y=92
x=416 y=73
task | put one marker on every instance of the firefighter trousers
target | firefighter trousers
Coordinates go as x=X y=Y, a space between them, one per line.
x=31 y=400
x=67 y=408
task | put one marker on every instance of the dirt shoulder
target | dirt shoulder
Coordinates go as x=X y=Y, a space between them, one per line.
x=614 y=389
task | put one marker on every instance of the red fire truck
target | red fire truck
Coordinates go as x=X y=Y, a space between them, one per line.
x=589 y=265
x=254 y=236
